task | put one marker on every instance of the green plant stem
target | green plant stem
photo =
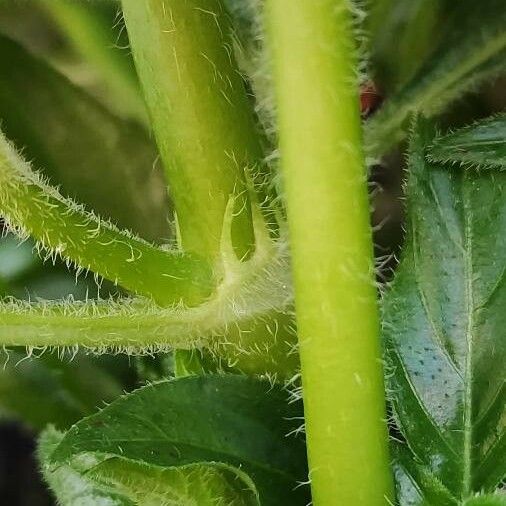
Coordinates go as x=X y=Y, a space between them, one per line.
x=331 y=242
x=200 y=113
x=240 y=337
x=62 y=227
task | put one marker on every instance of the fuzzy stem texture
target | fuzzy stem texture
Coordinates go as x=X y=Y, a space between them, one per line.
x=331 y=241
x=201 y=115
x=61 y=227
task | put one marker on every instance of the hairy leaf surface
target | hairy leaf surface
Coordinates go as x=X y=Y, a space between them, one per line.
x=231 y=420
x=445 y=325
x=480 y=145
x=91 y=479
x=69 y=484
x=195 y=484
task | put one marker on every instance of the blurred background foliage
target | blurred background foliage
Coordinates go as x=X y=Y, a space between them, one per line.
x=70 y=98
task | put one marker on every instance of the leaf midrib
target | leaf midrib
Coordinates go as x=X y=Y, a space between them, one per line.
x=468 y=374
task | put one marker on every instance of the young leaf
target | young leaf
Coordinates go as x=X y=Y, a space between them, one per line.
x=444 y=325
x=92 y=479
x=202 y=485
x=472 y=50
x=62 y=227
x=94 y=158
x=231 y=420
x=70 y=486
x=480 y=145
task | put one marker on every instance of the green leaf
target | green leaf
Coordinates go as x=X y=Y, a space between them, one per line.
x=415 y=485
x=92 y=479
x=69 y=484
x=444 y=325
x=50 y=389
x=202 y=485
x=480 y=145
x=232 y=420
x=94 y=157
x=473 y=49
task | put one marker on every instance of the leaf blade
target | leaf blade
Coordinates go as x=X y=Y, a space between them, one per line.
x=481 y=145
x=230 y=410
x=146 y=485
x=443 y=323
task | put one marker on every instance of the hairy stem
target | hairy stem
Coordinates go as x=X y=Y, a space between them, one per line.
x=245 y=343
x=200 y=113
x=62 y=227
x=328 y=215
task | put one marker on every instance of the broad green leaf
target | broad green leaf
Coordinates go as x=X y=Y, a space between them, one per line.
x=480 y=145
x=94 y=157
x=52 y=389
x=232 y=420
x=71 y=486
x=444 y=325
x=90 y=479
x=472 y=49
x=415 y=485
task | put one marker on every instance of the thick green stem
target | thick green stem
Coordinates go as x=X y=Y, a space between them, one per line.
x=62 y=227
x=328 y=213
x=200 y=113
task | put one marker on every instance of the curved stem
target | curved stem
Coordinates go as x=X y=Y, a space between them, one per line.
x=331 y=241
x=62 y=227
x=201 y=115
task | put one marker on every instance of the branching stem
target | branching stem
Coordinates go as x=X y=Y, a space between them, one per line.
x=62 y=227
